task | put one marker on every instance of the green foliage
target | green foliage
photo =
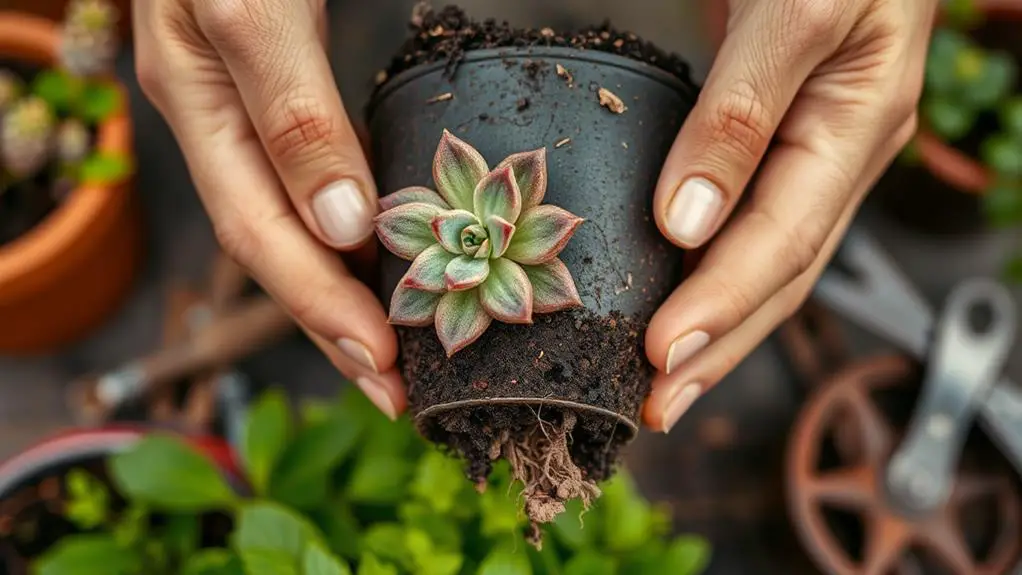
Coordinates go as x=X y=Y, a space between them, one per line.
x=89 y=100
x=341 y=490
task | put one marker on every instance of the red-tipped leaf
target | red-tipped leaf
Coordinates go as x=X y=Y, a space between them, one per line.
x=541 y=233
x=500 y=231
x=552 y=287
x=413 y=194
x=457 y=168
x=530 y=173
x=497 y=195
x=447 y=227
x=406 y=229
x=413 y=308
x=507 y=294
x=465 y=272
x=460 y=320
x=427 y=270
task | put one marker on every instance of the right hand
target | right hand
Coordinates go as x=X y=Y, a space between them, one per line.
x=248 y=92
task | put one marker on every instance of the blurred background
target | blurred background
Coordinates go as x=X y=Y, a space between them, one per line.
x=722 y=469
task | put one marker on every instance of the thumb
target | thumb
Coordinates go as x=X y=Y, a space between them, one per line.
x=274 y=52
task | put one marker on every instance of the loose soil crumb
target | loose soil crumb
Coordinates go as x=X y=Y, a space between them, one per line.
x=610 y=101
x=563 y=142
x=445 y=35
x=564 y=73
x=441 y=98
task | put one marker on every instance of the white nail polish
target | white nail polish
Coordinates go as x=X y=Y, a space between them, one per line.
x=378 y=396
x=679 y=404
x=358 y=353
x=683 y=348
x=693 y=211
x=343 y=214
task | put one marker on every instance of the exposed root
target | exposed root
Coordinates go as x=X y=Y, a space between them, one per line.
x=540 y=459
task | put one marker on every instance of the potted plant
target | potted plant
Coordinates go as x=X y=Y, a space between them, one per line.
x=341 y=489
x=962 y=171
x=70 y=237
x=516 y=170
x=61 y=487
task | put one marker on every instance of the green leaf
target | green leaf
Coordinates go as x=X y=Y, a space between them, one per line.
x=268 y=562
x=545 y=561
x=370 y=565
x=92 y=554
x=1011 y=116
x=945 y=45
x=426 y=559
x=1003 y=154
x=443 y=527
x=105 y=169
x=97 y=101
x=379 y=479
x=340 y=528
x=500 y=512
x=133 y=525
x=56 y=88
x=1013 y=269
x=1003 y=204
x=181 y=534
x=438 y=480
x=302 y=475
x=594 y=563
x=687 y=555
x=266 y=431
x=318 y=561
x=213 y=562
x=265 y=525
x=994 y=82
x=457 y=168
x=387 y=542
x=541 y=233
x=948 y=119
x=506 y=561
x=168 y=474
x=88 y=500
x=406 y=230
x=962 y=13
x=575 y=529
x=628 y=519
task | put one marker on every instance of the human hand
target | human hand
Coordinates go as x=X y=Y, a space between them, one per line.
x=248 y=92
x=833 y=86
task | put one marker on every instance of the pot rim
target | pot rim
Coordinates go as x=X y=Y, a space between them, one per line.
x=35 y=39
x=434 y=410
x=559 y=52
x=943 y=160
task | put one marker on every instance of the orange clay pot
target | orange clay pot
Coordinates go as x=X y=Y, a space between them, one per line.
x=65 y=276
x=54 y=10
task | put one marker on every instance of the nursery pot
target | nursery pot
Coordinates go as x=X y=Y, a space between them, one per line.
x=75 y=448
x=602 y=166
x=66 y=275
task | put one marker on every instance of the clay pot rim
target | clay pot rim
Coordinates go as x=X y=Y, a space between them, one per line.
x=554 y=52
x=435 y=410
x=946 y=162
x=35 y=39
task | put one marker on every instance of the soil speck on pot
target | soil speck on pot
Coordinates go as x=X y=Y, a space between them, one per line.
x=441 y=98
x=610 y=101
x=563 y=142
x=564 y=73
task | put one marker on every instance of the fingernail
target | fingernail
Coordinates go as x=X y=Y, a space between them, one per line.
x=342 y=213
x=683 y=348
x=358 y=353
x=694 y=210
x=377 y=395
x=679 y=404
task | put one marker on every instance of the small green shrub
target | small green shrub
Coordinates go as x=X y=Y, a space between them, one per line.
x=341 y=490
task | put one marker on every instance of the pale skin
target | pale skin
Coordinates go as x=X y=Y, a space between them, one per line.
x=248 y=92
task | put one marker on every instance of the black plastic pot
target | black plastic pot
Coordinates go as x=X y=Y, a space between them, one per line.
x=602 y=166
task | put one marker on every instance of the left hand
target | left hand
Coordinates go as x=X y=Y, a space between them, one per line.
x=833 y=85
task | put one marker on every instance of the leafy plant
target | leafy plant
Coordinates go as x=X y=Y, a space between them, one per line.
x=965 y=82
x=343 y=491
x=482 y=246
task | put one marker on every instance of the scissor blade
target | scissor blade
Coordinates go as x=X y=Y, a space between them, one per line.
x=1002 y=418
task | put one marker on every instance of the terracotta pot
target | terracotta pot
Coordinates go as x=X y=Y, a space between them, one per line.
x=54 y=10
x=69 y=273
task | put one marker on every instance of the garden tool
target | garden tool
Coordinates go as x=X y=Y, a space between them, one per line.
x=910 y=491
x=222 y=331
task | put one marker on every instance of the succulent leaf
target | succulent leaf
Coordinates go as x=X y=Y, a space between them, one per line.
x=460 y=320
x=472 y=238
x=406 y=230
x=411 y=307
x=500 y=232
x=507 y=294
x=497 y=195
x=457 y=168
x=413 y=194
x=427 y=270
x=552 y=287
x=541 y=233
x=447 y=227
x=530 y=172
x=465 y=272
x=483 y=251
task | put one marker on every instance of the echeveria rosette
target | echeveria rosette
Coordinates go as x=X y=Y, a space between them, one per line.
x=482 y=245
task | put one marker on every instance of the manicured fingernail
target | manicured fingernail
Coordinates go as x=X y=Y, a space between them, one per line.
x=694 y=210
x=683 y=348
x=343 y=213
x=679 y=404
x=377 y=395
x=358 y=353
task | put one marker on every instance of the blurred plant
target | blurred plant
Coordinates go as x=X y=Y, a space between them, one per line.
x=78 y=93
x=965 y=82
x=344 y=490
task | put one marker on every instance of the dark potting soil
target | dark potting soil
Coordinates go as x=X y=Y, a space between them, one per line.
x=445 y=35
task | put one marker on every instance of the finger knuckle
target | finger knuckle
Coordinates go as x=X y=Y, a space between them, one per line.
x=907 y=131
x=300 y=129
x=149 y=77
x=736 y=300
x=741 y=123
x=798 y=246
x=814 y=19
x=228 y=22
x=238 y=238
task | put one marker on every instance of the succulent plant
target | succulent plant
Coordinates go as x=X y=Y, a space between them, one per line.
x=26 y=136
x=10 y=89
x=89 y=42
x=482 y=245
x=72 y=141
